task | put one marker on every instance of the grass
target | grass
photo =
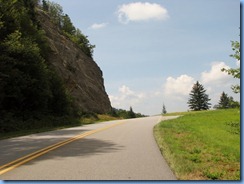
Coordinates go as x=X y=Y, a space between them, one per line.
x=50 y=124
x=97 y=119
x=202 y=145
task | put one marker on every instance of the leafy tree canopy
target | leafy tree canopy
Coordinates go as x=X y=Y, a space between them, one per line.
x=27 y=85
x=235 y=72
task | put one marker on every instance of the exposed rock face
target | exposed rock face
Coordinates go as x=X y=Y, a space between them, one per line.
x=82 y=76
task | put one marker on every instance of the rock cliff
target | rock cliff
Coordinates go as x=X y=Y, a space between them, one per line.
x=82 y=76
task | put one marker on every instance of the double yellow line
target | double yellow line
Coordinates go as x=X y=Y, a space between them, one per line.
x=12 y=165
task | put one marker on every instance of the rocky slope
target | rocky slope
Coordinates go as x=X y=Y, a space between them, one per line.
x=82 y=76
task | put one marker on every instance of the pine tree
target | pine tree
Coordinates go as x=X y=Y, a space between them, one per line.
x=164 y=111
x=224 y=102
x=198 y=98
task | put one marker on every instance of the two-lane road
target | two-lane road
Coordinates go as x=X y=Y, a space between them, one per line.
x=115 y=150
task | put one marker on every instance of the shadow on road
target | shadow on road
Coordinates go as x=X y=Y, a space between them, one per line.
x=85 y=147
x=12 y=149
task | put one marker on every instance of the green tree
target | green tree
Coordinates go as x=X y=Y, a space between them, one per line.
x=45 y=6
x=59 y=103
x=114 y=112
x=233 y=104
x=131 y=113
x=67 y=25
x=56 y=13
x=227 y=102
x=224 y=102
x=198 y=98
x=84 y=43
x=164 y=111
x=235 y=72
x=27 y=85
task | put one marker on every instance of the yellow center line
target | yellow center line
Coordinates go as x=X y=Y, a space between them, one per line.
x=18 y=162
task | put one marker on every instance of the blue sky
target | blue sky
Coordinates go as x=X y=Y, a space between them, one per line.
x=152 y=52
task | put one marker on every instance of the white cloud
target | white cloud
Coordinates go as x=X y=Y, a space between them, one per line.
x=126 y=90
x=179 y=86
x=215 y=75
x=216 y=81
x=139 y=11
x=238 y=63
x=146 y=102
x=176 y=90
x=98 y=26
x=126 y=98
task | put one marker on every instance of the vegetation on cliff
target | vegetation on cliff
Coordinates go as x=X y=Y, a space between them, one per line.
x=30 y=91
x=34 y=95
x=63 y=22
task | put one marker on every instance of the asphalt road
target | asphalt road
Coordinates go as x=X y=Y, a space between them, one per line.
x=126 y=151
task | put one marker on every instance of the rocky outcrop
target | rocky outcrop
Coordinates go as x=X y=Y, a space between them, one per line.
x=82 y=76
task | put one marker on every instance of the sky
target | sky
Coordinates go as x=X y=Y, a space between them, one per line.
x=152 y=52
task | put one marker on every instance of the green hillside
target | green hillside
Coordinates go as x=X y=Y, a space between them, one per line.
x=202 y=145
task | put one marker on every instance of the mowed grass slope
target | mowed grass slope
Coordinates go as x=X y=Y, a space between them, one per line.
x=202 y=145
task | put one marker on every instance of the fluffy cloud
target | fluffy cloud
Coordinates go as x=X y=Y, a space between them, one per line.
x=238 y=63
x=146 y=102
x=126 y=98
x=215 y=75
x=139 y=11
x=176 y=90
x=179 y=86
x=99 y=26
x=216 y=81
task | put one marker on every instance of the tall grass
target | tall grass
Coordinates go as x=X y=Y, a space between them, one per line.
x=202 y=145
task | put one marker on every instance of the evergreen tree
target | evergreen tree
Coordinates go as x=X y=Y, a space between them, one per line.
x=233 y=104
x=164 y=111
x=198 y=98
x=224 y=102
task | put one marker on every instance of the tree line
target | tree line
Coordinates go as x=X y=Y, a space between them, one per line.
x=125 y=114
x=199 y=100
x=30 y=90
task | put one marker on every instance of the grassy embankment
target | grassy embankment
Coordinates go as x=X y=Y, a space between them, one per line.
x=202 y=145
x=50 y=124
